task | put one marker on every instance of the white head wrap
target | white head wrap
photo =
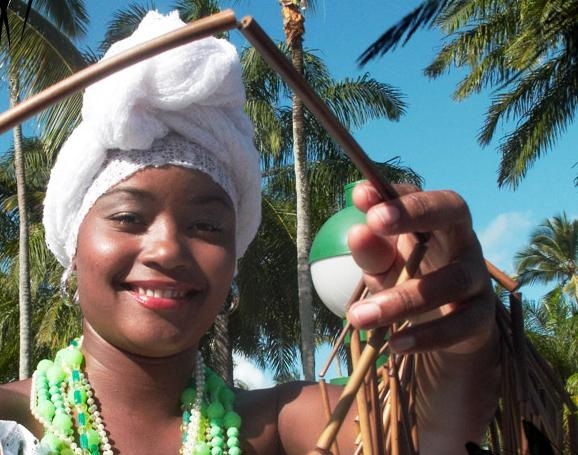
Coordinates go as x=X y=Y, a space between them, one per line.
x=183 y=107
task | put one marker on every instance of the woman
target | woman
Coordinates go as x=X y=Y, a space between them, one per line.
x=152 y=200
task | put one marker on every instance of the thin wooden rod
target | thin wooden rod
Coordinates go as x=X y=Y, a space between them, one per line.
x=201 y=28
x=327 y=409
x=361 y=398
x=359 y=293
x=504 y=280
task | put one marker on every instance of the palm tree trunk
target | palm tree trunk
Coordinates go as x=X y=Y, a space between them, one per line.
x=294 y=29
x=24 y=271
x=222 y=353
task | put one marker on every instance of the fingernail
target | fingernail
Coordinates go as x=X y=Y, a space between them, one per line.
x=402 y=343
x=364 y=315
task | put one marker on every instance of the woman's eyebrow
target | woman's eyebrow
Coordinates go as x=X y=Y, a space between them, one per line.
x=127 y=192
x=210 y=199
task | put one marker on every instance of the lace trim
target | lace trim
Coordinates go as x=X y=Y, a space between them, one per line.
x=170 y=150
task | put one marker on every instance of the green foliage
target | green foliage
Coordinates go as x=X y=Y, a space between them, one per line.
x=526 y=51
x=552 y=255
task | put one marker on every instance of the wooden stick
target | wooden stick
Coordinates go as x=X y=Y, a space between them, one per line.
x=361 y=398
x=393 y=399
x=201 y=28
x=520 y=357
x=359 y=293
x=327 y=409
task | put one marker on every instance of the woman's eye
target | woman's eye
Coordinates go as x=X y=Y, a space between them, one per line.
x=206 y=226
x=126 y=218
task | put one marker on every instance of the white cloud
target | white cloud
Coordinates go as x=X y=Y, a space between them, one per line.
x=504 y=236
x=249 y=374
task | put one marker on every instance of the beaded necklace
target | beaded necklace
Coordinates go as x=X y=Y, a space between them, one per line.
x=62 y=400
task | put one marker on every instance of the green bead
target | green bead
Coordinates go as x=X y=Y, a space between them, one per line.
x=215 y=410
x=233 y=441
x=232 y=419
x=46 y=409
x=43 y=365
x=55 y=374
x=75 y=375
x=214 y=383
x=77 y=396
x=227 y=397
x=217 y=441
x=234 y=451
x=188 y=397
x=52 y=441
x=62 y=423
x=201 y=448
x=233 y=432
x=216 y=451
x=93 y=437
x=215 y=431
x=83 y=440
x=66 y=451
x=82 y=419
x=71 y=358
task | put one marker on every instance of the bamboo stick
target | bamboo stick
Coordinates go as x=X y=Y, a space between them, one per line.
x=394 y=409
x=375 y=409
x=327 y=409
x=201 y=28
x=520 y=357
x=359 y=293
x=361 y=399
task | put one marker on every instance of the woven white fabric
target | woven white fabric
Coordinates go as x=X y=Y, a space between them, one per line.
x=195 y=91
x=17 y=440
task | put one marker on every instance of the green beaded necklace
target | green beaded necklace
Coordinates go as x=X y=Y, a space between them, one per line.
x=62 y=400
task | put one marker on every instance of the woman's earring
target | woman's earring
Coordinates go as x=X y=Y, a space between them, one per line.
x=232 y=302
x=68 y=289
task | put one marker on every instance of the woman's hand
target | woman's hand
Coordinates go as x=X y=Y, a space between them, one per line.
x=450 y=300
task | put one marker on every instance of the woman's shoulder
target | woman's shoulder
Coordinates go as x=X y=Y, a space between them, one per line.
x=15 y=419
x=15 y=403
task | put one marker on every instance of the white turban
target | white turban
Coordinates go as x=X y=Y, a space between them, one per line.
x=195 y=93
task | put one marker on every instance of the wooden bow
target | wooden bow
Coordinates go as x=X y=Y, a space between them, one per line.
x=533 y=374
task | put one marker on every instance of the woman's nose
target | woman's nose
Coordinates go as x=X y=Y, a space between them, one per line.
x=165 y=246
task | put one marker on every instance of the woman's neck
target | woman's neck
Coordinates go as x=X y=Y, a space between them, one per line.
x=127 y=383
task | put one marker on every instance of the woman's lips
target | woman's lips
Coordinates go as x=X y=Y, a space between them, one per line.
x=161 y=298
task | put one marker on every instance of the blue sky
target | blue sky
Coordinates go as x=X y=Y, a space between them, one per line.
x=437 y=136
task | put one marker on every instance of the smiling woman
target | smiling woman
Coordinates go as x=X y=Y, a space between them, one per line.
x=152 y=200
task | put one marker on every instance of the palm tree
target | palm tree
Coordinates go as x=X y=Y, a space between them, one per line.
x=551 y=256
x=54 y=322
x=31 y=67
x=294 y=28
x=527 y=51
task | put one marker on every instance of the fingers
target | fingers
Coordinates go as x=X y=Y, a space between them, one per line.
x=372 y=253
x=463 y=330
x=455 y=282
x=413 y=211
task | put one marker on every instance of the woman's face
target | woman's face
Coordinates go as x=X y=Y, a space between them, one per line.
x=155 y=259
